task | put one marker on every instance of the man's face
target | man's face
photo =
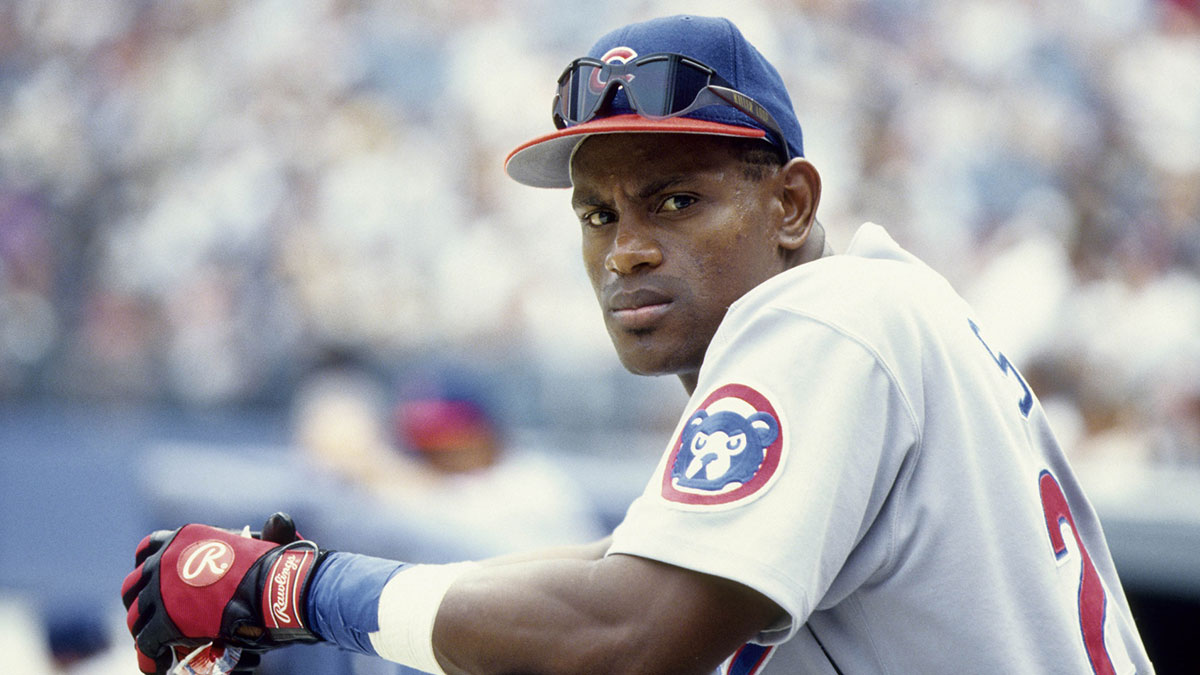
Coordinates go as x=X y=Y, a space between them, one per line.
x=673 y=233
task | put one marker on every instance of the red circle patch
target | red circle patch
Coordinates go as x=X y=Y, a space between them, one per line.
x=728 y=450
x=204 y=562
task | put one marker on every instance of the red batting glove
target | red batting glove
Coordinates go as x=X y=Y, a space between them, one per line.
x=199 y=584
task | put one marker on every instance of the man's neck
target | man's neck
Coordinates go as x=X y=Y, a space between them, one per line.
x=689 y=382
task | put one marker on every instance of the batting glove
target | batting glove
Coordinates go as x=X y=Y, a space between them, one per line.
x=200 y=584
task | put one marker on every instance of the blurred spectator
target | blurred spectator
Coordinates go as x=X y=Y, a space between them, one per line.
x=471 y=478
x=428 y=475
x=441 y=463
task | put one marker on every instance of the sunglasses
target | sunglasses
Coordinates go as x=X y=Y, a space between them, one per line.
x=658 y=86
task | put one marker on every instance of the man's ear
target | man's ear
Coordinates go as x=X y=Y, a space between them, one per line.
x=800 y=186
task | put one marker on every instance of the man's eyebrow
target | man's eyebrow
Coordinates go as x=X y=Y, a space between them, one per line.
x=583 y=198
x=660 y=185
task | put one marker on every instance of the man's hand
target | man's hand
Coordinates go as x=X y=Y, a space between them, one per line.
x=202 y=584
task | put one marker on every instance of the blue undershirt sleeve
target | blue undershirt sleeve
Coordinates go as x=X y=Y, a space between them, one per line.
x=343 y=599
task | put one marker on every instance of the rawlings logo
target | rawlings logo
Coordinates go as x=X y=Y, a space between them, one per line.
x=204 y=562
x=282 y=588
x=283 y=582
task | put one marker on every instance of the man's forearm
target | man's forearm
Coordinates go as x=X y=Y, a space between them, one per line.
x=546 y=615
x=614 y=615
x=530 y=617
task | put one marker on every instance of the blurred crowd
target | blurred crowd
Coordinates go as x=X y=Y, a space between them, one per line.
x=200 y=200
x=211 y=203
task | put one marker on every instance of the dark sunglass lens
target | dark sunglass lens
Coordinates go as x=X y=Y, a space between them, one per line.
x=686 y=85
x=650 y=83
x=665 y=86
x=581 y=92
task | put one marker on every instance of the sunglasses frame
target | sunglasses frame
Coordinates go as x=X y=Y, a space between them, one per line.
x=715 y=92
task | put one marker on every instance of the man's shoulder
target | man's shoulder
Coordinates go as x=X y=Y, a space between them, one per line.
x=883 y=298
x=872 y=282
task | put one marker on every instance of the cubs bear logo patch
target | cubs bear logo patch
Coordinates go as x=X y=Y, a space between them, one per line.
x=729 y=449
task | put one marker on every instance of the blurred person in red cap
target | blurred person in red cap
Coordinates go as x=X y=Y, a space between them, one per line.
x=467 y=482
x=435 y=457
x=451 y=435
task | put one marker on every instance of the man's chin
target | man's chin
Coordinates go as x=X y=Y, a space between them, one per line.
x=640 y=360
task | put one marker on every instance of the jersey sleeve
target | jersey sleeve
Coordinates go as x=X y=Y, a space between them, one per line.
x=780 y=468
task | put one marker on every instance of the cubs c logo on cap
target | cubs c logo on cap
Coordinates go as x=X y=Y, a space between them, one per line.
x=728 y=451
x=204 y=562
x=614 y=55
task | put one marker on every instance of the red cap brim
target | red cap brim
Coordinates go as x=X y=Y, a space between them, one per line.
x=546 y=161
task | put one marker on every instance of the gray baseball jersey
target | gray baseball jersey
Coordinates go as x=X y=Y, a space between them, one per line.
x=859 y=452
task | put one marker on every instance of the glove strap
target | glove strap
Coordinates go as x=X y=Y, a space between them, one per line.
x=284 y=591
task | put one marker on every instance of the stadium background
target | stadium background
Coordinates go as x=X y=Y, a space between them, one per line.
x=203 y=205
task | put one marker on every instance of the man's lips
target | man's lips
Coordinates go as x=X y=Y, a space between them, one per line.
x=637 y=309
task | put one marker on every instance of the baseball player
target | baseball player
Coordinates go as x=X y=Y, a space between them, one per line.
x=862 y=482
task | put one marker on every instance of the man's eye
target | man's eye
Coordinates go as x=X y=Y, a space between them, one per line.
x=597 y=218
x=677 y=202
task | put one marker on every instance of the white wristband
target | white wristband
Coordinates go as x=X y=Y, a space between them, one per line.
x=408 y=606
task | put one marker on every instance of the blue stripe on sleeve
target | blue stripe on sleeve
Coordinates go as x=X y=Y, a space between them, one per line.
x=343 y=599
x=748 y=659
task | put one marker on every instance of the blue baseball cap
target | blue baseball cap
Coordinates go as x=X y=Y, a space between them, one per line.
x=717 y=43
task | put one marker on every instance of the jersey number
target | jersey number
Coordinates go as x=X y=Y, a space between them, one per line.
x=1092 y=601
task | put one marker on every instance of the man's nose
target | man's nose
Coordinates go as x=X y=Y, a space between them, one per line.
x=633 y=249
